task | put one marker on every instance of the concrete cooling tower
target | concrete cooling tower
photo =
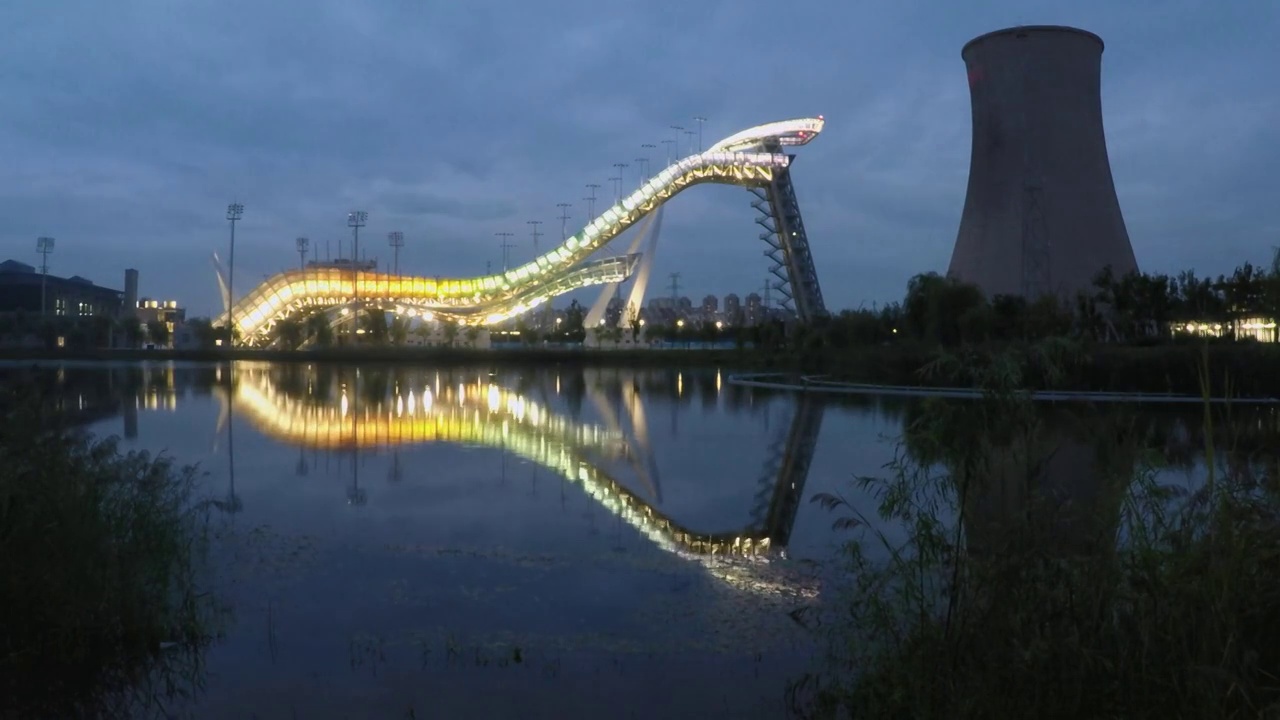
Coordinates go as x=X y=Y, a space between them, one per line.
x=1041 y=215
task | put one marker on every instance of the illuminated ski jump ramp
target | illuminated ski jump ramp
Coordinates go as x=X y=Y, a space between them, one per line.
x=753 y=158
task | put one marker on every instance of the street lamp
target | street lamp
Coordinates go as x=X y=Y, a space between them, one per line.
x=670 y=150
x=564 y=220
x=44 y=246
x=234 y=212
x=617 y=188
x=677 y=129
x=643 y=162
x=303 y=244
x=699 y=119
x=396 y=239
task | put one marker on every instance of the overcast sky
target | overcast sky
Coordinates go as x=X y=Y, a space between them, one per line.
x=128 y=126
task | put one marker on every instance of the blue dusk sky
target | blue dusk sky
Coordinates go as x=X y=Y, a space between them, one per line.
x=128 y=126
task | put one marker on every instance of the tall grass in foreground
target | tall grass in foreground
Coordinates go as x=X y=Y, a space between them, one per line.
x=1152 y=602
x=100 y=615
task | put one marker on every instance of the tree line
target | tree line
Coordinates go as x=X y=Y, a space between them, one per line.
x=1136 y=308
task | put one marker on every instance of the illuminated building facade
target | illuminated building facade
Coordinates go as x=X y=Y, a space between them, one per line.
x=754 y=158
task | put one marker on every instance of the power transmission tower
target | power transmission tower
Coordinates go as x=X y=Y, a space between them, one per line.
x=675 y=288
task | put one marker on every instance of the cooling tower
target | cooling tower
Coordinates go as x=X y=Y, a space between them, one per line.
x=1041 y=214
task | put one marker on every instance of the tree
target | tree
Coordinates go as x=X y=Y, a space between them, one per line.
x=290 y=333
x=449 y=329
x=319 y=330
x=573 y=329
x=132 y=332
x=158 y=332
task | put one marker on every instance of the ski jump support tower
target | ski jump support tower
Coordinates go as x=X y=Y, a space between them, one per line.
x=1041 y=215
x=788 y=244
x=651 y=228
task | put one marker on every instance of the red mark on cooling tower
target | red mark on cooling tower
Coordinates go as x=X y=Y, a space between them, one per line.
x=975 y=75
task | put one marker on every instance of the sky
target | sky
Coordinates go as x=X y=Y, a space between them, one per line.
x=127 y=127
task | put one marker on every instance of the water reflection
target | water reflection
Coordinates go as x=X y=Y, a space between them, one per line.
x=349 y=410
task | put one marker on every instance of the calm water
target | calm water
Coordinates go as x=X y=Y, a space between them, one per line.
x=411 y=542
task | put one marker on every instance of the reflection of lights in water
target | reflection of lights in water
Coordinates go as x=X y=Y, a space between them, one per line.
x=679 y=384
x=488 y=415
x=717 y=382
x=399 y=406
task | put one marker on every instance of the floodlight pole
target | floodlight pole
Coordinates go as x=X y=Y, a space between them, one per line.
x=396 y=240
x=621 y=166
x=44 y=246
x=303 y=244
x=506 y=246
x=591 y=201
x=700 y=120
x=677 y=129
x=564 y=220
x=355 y=220
x=648 y=148
x=234 y=212
x=536 y=235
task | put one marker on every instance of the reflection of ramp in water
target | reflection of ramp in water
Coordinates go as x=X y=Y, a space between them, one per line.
x=480 y=413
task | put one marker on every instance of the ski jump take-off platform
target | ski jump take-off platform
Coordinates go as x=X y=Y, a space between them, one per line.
x=754 y=158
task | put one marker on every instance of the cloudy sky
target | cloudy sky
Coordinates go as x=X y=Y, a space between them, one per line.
x=128 y=126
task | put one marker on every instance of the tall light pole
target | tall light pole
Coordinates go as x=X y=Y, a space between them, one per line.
x=506 y=247
x=699 y=119
x=234 y=212
x=643 y=162
x=621 y=166
x=671 y=152
x=617 y=188
x=396 y=239
x=355 y=220
x=564 y=220
x=677 y=129
x=534 y=224
x=689 y=134
x=648 y=149
x=302 y=244
x=44 y=246
x=591 y=201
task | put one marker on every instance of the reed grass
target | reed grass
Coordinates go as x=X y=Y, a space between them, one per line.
x=100 y=554
x=1169 y=609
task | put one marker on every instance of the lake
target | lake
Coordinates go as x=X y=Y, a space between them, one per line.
x=398 y=541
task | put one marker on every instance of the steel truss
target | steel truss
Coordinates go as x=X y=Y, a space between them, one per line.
x=788 y=246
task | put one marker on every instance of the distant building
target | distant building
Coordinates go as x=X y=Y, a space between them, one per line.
x=165 y=311
x=710 y=304
x=755 y=310
x=733 y=310
x=75 y=296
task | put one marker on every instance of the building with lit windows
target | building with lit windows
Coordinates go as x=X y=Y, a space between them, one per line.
x=20 y=287
x=164 y=311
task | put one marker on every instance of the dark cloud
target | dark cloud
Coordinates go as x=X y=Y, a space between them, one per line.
x=129 y=126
